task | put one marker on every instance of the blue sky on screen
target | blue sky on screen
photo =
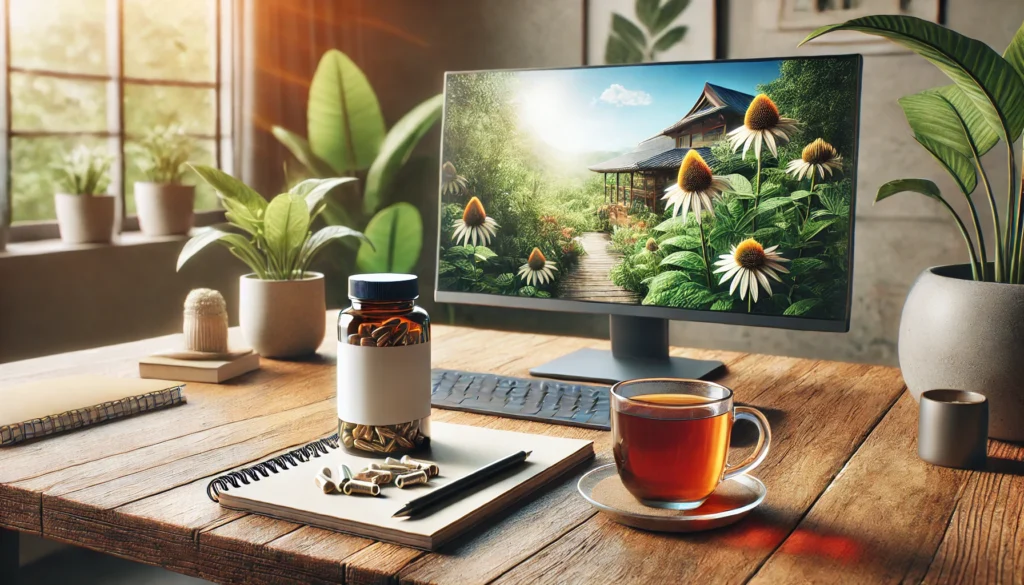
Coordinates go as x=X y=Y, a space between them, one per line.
x=614 y=108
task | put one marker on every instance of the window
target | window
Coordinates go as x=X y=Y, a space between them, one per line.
x=103 y=72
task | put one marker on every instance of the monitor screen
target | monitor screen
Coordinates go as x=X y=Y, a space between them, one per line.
x=714 y=191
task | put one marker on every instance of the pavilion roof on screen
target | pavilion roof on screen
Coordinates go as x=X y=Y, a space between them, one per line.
x=649 y=160
x=712 y=100
x=659 y=151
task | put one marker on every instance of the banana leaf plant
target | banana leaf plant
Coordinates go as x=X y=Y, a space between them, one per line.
x=346 y=136
x=959 y=123
x=272 y=238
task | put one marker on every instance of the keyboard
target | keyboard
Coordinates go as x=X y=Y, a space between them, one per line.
x=560 y=403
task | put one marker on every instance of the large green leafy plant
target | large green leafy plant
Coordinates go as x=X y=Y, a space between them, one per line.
x=959 y=123
x=273 y=238
x=346 y=136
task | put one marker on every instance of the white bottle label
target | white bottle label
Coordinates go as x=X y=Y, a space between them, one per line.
x=383 y=385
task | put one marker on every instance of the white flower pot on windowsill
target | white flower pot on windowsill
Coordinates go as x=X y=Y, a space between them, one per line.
x=283 y=318
x=85 y=219
x=164 y=209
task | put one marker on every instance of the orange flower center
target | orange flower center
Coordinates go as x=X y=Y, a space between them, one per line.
x=818 y=152
x=750 y=254
x=694 y=173
x=536 y=260
x=474 y=215
x=762 y=114
x=651 y=245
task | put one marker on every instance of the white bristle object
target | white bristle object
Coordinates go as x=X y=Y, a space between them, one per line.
x=206 y=321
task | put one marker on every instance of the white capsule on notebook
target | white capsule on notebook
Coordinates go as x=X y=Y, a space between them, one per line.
x=325 y=483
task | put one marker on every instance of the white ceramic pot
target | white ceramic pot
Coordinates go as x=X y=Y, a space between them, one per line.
x=85 y=219
x=164 y=209
x=283 y=318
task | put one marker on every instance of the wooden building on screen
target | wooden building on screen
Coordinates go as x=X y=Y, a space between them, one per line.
x=639 y=177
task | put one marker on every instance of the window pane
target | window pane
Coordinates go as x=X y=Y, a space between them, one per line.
x=169 y=43
x=33 y=180
x=63 y=105
x=206 y=198
x=146 y=106
x=59 y=35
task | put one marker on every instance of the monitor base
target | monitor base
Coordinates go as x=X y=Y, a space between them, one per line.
x=639 y=350
x=599 y=365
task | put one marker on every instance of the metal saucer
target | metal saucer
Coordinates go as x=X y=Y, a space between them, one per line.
x=733 y=500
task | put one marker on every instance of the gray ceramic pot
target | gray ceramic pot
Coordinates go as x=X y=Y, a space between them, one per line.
x=959 y=334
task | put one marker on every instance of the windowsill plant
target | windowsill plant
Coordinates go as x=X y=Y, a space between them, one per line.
x=163 y=202
x=85 y=212
x=282 y=302
x=960 y=325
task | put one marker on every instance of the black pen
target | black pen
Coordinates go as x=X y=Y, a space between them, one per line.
x=460 y=485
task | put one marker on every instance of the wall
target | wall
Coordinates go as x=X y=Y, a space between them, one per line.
x=54 y=299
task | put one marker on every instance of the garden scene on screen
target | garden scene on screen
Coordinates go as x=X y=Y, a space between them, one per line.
x=708 y=186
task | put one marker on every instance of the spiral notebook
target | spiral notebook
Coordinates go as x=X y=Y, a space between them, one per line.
x=284 y=487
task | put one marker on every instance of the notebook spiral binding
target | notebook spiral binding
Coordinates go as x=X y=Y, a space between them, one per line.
x=247 y=475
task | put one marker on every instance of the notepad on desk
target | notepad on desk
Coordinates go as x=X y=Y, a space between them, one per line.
x=46 y=407
x=457 y=450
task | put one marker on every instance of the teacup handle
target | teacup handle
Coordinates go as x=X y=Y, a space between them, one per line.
x=764 y=439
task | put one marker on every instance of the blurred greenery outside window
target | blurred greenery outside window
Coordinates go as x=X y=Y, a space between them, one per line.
x=102 y=73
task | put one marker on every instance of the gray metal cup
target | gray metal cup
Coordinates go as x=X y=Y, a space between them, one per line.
x=952 y=429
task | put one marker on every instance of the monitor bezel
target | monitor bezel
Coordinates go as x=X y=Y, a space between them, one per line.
x=670 y=313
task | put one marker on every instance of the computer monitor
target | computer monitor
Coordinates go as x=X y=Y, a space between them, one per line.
x=718 y=191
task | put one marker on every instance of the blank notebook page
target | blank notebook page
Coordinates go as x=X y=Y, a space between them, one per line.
x=456 y=449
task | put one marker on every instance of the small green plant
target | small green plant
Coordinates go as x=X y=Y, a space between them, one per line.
x=84 y=171
x=163 y=152
x=272 y=238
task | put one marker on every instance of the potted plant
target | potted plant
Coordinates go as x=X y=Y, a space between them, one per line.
x=85 y=213
x=281 y=302
x=163 y=203
x=960 y=327
x=347 y=136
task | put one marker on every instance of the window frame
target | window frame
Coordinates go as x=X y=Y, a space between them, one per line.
x=226 y=51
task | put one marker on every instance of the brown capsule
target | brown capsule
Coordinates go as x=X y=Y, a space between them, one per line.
x=367 y=342
x=384 y=341
x=392 y=322
x=354 y=339
x=402 y=329
x=410 y=479
x=348 y=441
x=361 y=487
x=364 y=445
x=365 y=329
x=405 y=443
x=325 y=483
x=380 y=332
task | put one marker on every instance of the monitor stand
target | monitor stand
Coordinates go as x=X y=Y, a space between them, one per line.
x=639 y=350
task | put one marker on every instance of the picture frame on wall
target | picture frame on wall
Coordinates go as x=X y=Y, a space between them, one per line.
x=798 y=18
x=617 y=32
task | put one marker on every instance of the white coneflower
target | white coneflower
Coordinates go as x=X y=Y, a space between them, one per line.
x=452 y=183
x=474 y=227
x=695 y=188
x=538 y=269
x=817 y=156
x=749 y=264
x=762 y=124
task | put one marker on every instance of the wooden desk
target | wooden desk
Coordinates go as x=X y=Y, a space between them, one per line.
x=848 y=499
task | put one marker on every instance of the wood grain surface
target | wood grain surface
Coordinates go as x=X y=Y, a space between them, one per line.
x=848 y=499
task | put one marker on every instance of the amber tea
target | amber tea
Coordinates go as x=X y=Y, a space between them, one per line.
x=677 y=460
